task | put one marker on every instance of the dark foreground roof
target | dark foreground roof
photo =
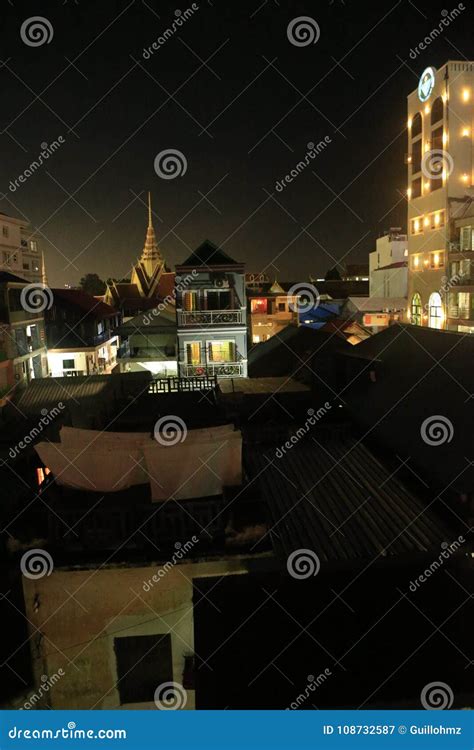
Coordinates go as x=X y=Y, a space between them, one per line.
x=288 y=350
x=339 y=501
x=412 y=378
x=6 y=276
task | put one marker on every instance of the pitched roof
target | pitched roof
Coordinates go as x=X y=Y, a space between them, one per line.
x=424 y=378
x=85 y=302
x=377 y=304
x=287 y=351
x=333 y=496
x=5 y=276
x=208 y=254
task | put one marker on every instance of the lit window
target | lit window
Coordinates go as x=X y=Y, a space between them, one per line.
x=426 y=221
x=258 y=305
x=416 y=226
x=465 y=132
x=466 y=95
x=409 y=192
x=221 y=351
x=435 y=308
x=415 y=262
x=465 y=178
x=415 y=316
x=193 y=353
x=437 y=259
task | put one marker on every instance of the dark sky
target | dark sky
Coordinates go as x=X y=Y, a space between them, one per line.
x=241 y=102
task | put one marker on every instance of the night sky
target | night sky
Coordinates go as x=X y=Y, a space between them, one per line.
x=240 y=101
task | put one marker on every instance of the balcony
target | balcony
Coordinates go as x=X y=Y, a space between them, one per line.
x=155 y=353
x=460 y=313
x=210 y=318
x=217 y=369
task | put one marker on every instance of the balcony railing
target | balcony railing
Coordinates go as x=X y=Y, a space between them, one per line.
x=210 y=317
x=218 y=369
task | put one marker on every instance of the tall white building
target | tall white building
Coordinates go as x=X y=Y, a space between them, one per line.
x=440 y=193
x=388 y=266
x=19 y=251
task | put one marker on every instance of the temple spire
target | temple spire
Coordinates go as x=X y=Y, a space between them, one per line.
x=44 y=278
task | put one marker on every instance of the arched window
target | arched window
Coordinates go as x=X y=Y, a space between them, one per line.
x=437 y=110
x=416 y=125
x=435 y=311
x=416 y=309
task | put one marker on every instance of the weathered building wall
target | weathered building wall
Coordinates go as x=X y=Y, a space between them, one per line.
x=79 y=613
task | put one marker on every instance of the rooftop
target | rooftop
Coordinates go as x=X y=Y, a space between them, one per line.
x=208 y=254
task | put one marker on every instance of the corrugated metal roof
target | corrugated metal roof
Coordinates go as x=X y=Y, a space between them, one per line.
x=44 y=393
x=342 y=503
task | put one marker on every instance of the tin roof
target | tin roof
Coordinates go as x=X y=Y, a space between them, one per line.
x=338 y=500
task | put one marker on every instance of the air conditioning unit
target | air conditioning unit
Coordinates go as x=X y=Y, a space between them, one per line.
x=221 y=282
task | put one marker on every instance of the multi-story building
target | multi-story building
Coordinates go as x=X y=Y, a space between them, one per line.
x=19 y=251
x=388 y=265
x=271 y=310
x=148 y=342
x=22 y=336
x=440 y=182
x=81 y=334
x=211 y=314
x=460 y=284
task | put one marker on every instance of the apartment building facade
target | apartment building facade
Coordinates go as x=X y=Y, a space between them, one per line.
x=440 y=191
x=211 y=312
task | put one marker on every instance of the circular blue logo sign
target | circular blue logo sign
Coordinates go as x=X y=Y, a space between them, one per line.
x=426 y=84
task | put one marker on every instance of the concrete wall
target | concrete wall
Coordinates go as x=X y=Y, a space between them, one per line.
x=78 y=612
